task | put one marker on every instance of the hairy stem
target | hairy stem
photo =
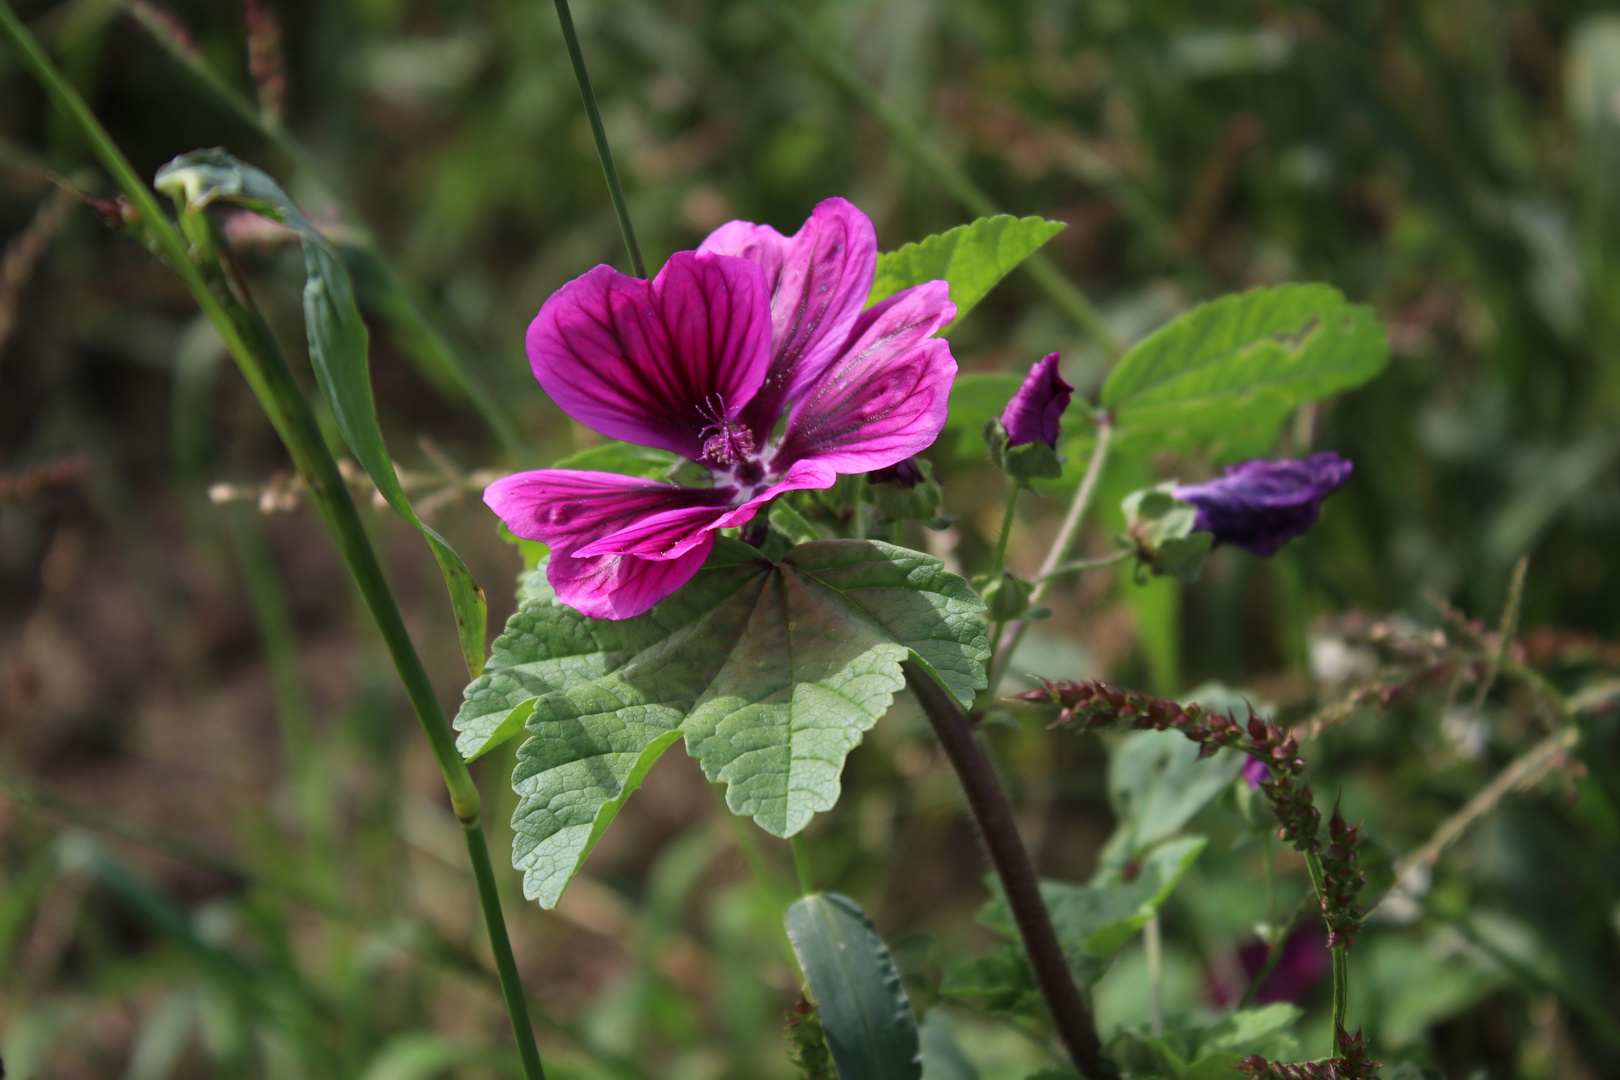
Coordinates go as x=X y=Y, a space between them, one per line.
x=1003 y=649
x=255 y=351
x=1058 y=288
x=1070 y=1014
x=1006 y=531
x=609 y=170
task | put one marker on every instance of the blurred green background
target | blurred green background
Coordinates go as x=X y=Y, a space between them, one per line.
x=223 y=847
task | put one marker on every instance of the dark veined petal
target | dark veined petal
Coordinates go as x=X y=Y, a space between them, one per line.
x=885 y=397
x=657 y=363
x=819 y=280
x=1261 y=505
x=1035 y=411
x=570 y=510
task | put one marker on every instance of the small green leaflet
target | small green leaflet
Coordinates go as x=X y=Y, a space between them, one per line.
x=971 y=258
x=1093 y=922
x=1190 y=1050
x=1157 y=783
x=863 y=1006
x=1226 y=373
x=623 y=457
x=338 y=348
x=1098 y=919
x=771 y=673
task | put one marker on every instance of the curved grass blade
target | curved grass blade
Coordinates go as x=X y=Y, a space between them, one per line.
x=338 y=348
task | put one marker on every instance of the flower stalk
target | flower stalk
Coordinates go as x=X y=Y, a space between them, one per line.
x=256 y=353
x=1075 y=1025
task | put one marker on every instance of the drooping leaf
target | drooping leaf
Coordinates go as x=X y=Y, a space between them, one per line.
x=1227 y=373
x=338 y=349
x=858 y=995
x=771 y=673
x=972 y=258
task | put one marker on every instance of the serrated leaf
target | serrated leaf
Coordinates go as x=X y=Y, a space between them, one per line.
x=622 y=457
x=771 y=672
x=339 y=353
x=858 y=994
x=972 y=258
x=1228 y=372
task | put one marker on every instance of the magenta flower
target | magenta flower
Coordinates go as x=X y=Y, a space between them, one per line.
x=1035 y=410
x=1255 y=772
x=1261 y=505
x=706 y=360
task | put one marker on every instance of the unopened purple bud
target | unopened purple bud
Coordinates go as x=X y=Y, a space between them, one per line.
x=1035 y=410
x=1255 y=772
x=1261 y=505
x=905 y=473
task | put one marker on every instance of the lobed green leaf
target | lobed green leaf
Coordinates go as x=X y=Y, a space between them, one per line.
x=771 y=672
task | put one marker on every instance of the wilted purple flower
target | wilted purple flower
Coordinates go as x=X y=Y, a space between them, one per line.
x=1260 y=505
x=1255 y=772
x=704 y=361
x=1034 y=411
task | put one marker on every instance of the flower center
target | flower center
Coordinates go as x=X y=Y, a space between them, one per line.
x=725 y=442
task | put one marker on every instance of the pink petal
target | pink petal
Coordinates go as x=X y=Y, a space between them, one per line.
x=665 y=535
x=656 y=363
x=819 y=280
x=570 y=510
x=885 y=398
x=622 y=586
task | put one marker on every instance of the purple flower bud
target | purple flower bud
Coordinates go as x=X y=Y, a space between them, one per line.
x=1260 y=505
x=1034 y=411
x=905 y=473
x=1255 y=772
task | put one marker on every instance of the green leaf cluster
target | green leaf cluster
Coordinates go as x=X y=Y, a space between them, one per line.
x=1191 y=1049
x=770 y=671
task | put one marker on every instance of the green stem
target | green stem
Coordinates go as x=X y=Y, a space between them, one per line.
x=1153 y=946
x=615 y=191
x=1058 y=288
x=1274 y=953
x=1341 y=960
x=801 y=863
x=257 y=355
x=1092 y=564
x=1072 y=521
x=1006 y=531
x=489 y=897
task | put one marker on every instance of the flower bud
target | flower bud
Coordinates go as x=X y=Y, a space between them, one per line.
x=1006 y=597
x=1035 y=411
x=1163 y=530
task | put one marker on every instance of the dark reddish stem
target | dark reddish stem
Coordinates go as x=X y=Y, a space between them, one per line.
x=1070 y=1014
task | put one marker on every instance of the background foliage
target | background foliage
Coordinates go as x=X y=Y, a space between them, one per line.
x=222 y=847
